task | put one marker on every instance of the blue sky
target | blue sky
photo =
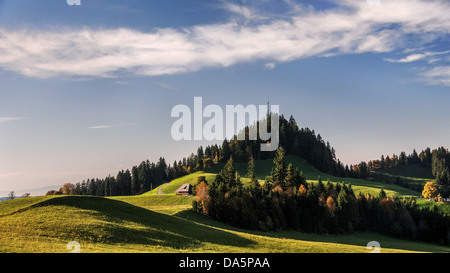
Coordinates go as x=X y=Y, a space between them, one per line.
x=87 y=90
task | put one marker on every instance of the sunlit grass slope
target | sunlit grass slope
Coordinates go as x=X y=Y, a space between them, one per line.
x=264 y=167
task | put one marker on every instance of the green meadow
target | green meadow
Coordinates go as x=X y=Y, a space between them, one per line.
x=155 y=223
x=264 y=167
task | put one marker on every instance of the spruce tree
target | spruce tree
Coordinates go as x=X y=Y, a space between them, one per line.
x=289 y=181
x=251 y=174
x=279 y=170
x=382 y=194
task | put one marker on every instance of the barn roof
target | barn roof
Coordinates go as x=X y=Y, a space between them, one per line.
x=184 y=188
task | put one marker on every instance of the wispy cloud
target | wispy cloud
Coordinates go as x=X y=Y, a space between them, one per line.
x=352 y=27
x=166 y=86
x=100 y=127
x=439 y=75
x=270 y=66
x=407 y=59
x=9 y=119
x=241 y=11
x=417 y=57
x=111 y=126
x=8 y=175
x=121 y=82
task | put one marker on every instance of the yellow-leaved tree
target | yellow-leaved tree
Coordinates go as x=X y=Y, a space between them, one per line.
x=430 y=190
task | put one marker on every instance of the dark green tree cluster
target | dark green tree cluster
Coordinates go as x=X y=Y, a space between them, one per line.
x=145 y=176
x=302 y=142
x=364 y=169
x=287 y=201
x=437 y=160
x=440 y=166
x=386 y=162
x=140 y=179
x=426 y=158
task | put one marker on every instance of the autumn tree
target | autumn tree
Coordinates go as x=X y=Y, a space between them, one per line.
x=331 y=204
x=430 y=190
x=200 y=179
x=201 y=198
x=68 y=189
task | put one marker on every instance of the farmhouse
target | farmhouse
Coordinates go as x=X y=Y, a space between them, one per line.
x=185 y=189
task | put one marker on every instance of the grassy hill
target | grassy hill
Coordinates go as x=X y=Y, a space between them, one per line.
x=129 y=224
x=412 y=171
x=414 y=174
x=443 y=207
x=264 y=167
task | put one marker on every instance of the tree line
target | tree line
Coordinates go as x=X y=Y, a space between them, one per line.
x=437 y=160
x=287 y=201
x=142 y=178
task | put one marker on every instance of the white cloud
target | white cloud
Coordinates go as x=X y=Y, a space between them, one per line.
x=353 y=27
x=431 y=61
x=166 y=86
x=270 y=66
x=416 y=57
x=8 y=119
x=242 y=11
x=407 y=59
x=100 y=127
x=439 y=75
x=111 y=126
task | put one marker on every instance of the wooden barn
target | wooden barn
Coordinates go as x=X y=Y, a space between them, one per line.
x=185 y=189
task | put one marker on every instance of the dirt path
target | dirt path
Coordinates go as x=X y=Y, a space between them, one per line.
x=160 y=189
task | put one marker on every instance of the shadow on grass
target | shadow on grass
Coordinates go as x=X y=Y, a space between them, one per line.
x=153 y=228
x=357 y=238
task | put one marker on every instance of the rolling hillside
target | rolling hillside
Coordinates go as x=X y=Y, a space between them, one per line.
x=414 y=174
x=264 y=167
x=112 y=225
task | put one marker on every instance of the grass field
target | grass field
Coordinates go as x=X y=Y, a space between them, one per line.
x=164 y=223
x=414 y=175
x=105 y=225
x=443 y=207
x=264 y=167
x=412 y=171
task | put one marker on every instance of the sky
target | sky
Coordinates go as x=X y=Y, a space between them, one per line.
x=87 y=90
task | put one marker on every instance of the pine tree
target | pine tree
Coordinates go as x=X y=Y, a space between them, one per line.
x=162 y=169
x=289 y=181
x=443 y=178
x=279 y=170
x=134 y=180
x=382 y=194
x=320 y=186
x=254 y=184
x=226 y=151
